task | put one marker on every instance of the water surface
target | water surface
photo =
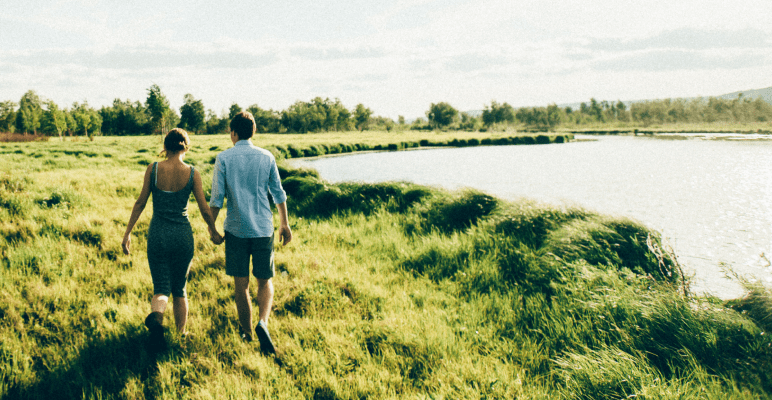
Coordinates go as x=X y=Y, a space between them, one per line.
x=712 y=199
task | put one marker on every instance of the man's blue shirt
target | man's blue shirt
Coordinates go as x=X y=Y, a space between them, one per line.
x=245 y=174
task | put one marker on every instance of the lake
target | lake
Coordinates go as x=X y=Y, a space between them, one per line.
x=710 y=198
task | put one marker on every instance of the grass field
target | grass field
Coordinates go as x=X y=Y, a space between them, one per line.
x=387 y=291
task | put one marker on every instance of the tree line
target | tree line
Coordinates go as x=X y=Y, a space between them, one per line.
x=36 y=115
x=642 y=113
x=33 y=114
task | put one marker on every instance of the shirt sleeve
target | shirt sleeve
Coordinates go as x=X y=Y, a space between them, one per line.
x=217 y=197
x=274 y=184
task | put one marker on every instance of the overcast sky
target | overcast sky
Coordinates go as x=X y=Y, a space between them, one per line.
x=396 y=57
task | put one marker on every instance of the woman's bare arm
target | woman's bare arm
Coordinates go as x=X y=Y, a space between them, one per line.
x=139 y=206
x=203 y=206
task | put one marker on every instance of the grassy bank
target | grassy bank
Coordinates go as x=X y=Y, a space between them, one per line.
x=387 y=291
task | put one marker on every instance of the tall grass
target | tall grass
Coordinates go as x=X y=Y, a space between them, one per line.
x=388 y=290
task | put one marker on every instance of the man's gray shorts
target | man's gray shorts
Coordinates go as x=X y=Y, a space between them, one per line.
x=239 y=250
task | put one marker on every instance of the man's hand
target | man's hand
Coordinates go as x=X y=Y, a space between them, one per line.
x=215 y=236
x=285 y=234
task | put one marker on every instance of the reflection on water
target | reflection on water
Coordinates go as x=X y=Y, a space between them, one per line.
x=712 y=199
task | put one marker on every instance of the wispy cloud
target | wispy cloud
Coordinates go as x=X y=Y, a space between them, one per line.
x=673 y=60
x=335 y=53
x=138 y=58
x=689 y=39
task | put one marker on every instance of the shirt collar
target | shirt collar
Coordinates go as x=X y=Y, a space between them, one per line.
x=244 y=142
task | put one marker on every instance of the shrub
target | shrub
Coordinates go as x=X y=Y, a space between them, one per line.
x=294 y=152
x=87 y=236
x=604 y=241
x=14 y=184
x=65 y=197
x=460 y=212
x=530 y=224
x=301 y=188
x=623 y=375
x=17 y=205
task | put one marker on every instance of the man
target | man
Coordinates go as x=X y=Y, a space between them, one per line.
x=245 y=174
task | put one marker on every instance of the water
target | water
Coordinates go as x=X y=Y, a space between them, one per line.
x=711 y=199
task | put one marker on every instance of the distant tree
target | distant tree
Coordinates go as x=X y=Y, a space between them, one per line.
x=125 y=118
x=498 y=113
x=470 y=123
x=642 y=112
x=266 y=120
x=533 y=116
x=302 y=117
x=87 y=119
x=109 y=120
x=7 y=116
x=235 y=109
x=441 y=114
x=596 y=110
x=161 y=116
x=620 y=111
x=381 y=123
x=72 y=124
x=362 y=116
x=54 y=120
x=30 y=111
x=419 y=124
x=338 y=116
x=192 y=114
x=401 y=119
x=554 y=116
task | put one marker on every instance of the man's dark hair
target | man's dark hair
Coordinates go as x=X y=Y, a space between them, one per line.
x=243 y=124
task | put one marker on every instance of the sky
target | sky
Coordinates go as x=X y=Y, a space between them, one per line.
x=395 y=57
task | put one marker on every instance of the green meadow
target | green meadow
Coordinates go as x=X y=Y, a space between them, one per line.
x=387 y=291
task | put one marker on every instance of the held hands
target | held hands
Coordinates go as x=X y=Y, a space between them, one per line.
x=215 y=236
x=285 y=236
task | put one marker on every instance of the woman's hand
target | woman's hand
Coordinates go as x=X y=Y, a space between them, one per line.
x=215 y=236
x=126 y=244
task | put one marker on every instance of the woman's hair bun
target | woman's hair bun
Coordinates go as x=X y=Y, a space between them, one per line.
x=176 y=140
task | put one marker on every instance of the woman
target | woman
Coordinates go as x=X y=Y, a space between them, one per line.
x=170 y=237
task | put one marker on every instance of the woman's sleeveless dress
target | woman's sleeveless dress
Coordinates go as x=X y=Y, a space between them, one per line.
x=170 y=238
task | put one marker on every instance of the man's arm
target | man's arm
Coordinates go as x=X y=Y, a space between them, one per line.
x=217 y=195
x=285 y=233
x=216 y=239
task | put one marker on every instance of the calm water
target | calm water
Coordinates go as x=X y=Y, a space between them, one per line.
x=712 y=199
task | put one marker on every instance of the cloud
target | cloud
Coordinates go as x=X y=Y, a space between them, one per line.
x=688 y=38
x=135 y=58
x=674 y=60
x=471 y=62
x=335 y=53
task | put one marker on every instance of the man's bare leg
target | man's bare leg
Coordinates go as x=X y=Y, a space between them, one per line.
x=244 y=304
x=265 y=298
